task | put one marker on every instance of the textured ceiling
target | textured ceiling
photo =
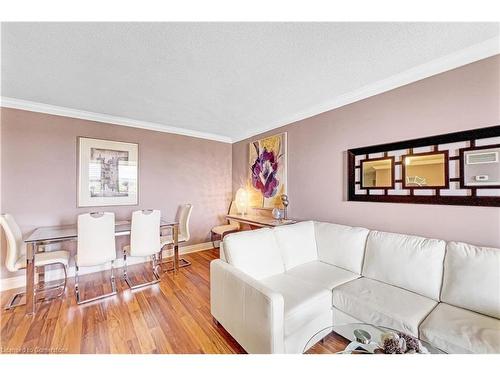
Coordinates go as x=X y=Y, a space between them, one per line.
x=229 y=79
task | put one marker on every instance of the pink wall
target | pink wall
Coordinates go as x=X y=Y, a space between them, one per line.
x=461 y=99
x=39 y=172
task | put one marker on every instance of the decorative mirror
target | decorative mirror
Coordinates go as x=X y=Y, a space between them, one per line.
x=425 y=170
x=377 y=173
x=461 y=168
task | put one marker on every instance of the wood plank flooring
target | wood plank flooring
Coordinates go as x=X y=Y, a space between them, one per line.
x=172 y=316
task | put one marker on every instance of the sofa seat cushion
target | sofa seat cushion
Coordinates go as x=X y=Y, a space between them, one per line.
x=456 y=330
x=303 y=301
x=374 y=302
x=322 y=274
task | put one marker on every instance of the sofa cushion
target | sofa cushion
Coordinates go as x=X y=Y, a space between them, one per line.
x=381 y=304
x=322 y=274
x=297 y=243
x=341 y=245
x=409 y=262
x=472 y=278
x=456 y=330
x=303 y=301
x=254 y=252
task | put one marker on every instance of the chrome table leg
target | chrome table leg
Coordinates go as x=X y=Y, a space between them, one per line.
x=30 y=278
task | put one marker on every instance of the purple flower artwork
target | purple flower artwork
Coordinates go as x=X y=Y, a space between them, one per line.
x=268 y=169
x=264 y=173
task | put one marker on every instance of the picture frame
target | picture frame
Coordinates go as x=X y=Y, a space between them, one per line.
x=108 y=173
x=267 y=171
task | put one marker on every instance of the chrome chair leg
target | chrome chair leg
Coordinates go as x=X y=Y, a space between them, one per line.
x=125 y=276
x=113 y=287
x=41 y=288
x=77 y=291
x=11 y=304
x=156 y=276
x=182 y=263
x=65 y=279
x=61 y=286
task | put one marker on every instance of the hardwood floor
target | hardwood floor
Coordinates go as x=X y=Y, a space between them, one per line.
x=172 y=316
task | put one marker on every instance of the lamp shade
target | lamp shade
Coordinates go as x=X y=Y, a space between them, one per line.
x=241 y=200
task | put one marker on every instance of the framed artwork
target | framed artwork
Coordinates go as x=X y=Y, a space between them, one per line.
x=267 y=171
x=107 y=173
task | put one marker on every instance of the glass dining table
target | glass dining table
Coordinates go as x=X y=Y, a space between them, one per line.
x=55 y=234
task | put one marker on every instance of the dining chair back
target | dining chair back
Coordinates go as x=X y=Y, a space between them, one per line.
x=184 y=218
x=145 y=233
x=96 y=246
x=15 y=245
x=144 y=242
x=184 y=234
x=96 y=239
x=15 y=260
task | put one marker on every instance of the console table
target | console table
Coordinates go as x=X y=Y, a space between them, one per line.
x=259 y=221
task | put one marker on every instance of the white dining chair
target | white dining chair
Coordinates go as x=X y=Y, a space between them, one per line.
x=221 y=230
x=15 y=260
x=96 y=246
x=144 y=242
x=184 y=234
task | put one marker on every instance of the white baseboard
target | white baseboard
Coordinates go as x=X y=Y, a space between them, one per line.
x=58 y=274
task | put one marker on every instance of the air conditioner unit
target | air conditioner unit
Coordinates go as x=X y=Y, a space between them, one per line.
x=482 y=157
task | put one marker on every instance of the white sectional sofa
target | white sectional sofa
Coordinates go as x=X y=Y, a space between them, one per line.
x=274 y=289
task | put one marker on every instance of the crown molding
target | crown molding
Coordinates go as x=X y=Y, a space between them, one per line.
x=468 y=55
x=100 y=117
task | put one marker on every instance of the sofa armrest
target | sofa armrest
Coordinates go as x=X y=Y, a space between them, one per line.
x=252 y=313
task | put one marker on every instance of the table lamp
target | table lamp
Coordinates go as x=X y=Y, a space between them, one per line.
x=241 y=201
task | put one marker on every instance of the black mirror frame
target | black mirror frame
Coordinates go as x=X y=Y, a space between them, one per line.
x=464 y=136
x=392 y=159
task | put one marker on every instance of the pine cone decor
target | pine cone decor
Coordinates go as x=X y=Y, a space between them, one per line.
x=401 y=343
x=412 y=343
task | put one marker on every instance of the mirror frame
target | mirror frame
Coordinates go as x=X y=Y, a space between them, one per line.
x=470 y=136
x=446 y=170
x=392 y=159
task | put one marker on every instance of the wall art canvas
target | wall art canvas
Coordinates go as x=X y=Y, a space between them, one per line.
x=268 y=171
x=107 y=173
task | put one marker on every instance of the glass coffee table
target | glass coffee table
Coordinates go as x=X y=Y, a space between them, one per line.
x=367 y=339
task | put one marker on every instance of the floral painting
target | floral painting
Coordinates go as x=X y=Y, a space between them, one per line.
x=267 y=171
